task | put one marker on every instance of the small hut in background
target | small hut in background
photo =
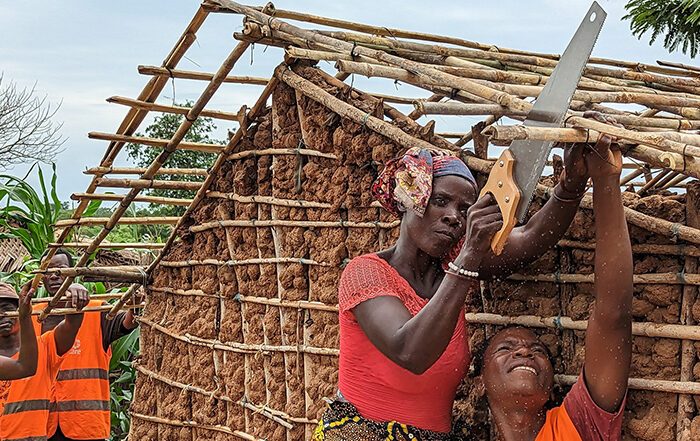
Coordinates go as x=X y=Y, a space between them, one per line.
x=239 y=336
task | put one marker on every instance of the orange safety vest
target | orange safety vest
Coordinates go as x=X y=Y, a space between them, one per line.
x=80 y=400
x=25 y=402
x=558 y=427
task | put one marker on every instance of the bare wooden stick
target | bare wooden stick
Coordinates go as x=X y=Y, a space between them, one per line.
x=253 y=261
x=139 y=171
x=678 y=250
x=68 y=311
x=182 y=292
x=658 y=278
x=290 y=223
x=131 y=274
x=110 y=296
x=165 y=220
x=695 y=70
x=305 y=152
x=645 y=329
x=675 y=387
x=155 y=142
x=148 y=183
x=177 y=110
x=120 y=197
x=189 y=75
x=195 y=425
x=268 y=200
x=301 y=304
x=142 y=245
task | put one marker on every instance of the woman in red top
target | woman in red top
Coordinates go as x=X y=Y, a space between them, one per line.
x=515 y=369
x=403 y=338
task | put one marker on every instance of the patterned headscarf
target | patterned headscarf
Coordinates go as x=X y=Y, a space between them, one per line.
x=409 y=179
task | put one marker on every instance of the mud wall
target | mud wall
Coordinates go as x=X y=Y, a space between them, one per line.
x=240 y=334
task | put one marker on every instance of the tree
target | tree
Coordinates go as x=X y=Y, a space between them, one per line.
x=27 y=132
x=164 y=127
x=677 y=20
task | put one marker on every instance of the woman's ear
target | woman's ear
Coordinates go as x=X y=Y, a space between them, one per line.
x=401 y=206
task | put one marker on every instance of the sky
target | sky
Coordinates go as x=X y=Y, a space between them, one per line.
x=79 y=53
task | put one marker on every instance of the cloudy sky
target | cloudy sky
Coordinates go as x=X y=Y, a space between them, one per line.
x=81 y=52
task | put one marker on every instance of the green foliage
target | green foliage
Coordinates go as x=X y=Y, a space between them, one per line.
x=28 y=215
x=122 y=385
x=677 y=20
x=164 y=127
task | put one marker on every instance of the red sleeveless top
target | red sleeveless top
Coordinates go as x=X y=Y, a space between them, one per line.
x=380 y=389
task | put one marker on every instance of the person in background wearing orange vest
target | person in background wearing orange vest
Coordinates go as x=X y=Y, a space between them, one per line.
x=80 y=404
x=24 y=403
x=24 y=365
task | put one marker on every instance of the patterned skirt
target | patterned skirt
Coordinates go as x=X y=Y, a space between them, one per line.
x=342 y=422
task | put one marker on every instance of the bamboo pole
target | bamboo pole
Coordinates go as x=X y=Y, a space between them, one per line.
x=659 y=176
x=632 y=175
x=110 y=296
x=268 y=200
x=189 y=75
x=694 y=69
x=300 y=304
x=130 y=274
x=657 y=278
x=69 y=311
x=434 y=98
x=290 y=223
x=674 y=387
x=150 y=220
x=233 y=262
x=142 y=245
x=155 y=142
x=342 y=108
x=646 y=329
x=120 y=197
x=183 y=292
x=675 y=182
x=140 y=170
x=177 y=110
x=305 y=152
x=195 y=425
x=148 y=183
x=676 y=250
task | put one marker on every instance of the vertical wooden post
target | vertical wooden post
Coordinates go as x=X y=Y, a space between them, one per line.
x=686 y=404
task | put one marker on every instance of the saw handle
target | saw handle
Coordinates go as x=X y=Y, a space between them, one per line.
x=501 y=185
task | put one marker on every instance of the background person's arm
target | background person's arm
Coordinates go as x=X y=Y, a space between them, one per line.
x=66 y=331
x=25 y=364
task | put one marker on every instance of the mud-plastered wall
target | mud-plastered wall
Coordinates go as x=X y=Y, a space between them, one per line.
x=239 y=338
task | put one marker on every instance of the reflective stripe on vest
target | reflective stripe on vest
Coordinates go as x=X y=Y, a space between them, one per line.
x=82 y=374
x=25 y=406
x=79 y=405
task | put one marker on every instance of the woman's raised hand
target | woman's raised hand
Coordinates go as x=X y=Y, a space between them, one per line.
x=484 y=219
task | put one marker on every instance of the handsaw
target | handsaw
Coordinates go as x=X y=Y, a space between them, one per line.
x=515 y=174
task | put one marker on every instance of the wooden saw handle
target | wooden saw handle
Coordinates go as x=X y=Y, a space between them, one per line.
x=501 y=185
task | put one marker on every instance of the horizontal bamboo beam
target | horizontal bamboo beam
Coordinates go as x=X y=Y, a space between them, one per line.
x=657 y=278
x=110 y=296
x=645 y=329
x=677 y=250
x=189 y=75
x=301 y=304
x=263 y=152
x=232 y=262
x=148 y=220
x=140 y=170
x=120 y=197
x=70 y=311
x=182 y=292
x=148 y=183
x=129 y=274
x=268 y=200
x=195 y=425
x=674 y=387
x=155 y=142
x=176 y=110
x=290 y=223
x=143 y=245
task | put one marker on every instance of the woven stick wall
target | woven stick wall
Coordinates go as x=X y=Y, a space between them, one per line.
x=239 y=336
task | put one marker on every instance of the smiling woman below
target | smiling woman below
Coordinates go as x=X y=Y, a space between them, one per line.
x=403 y=338
x=515 y=369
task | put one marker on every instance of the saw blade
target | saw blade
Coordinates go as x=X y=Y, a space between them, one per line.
x=551 y=105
